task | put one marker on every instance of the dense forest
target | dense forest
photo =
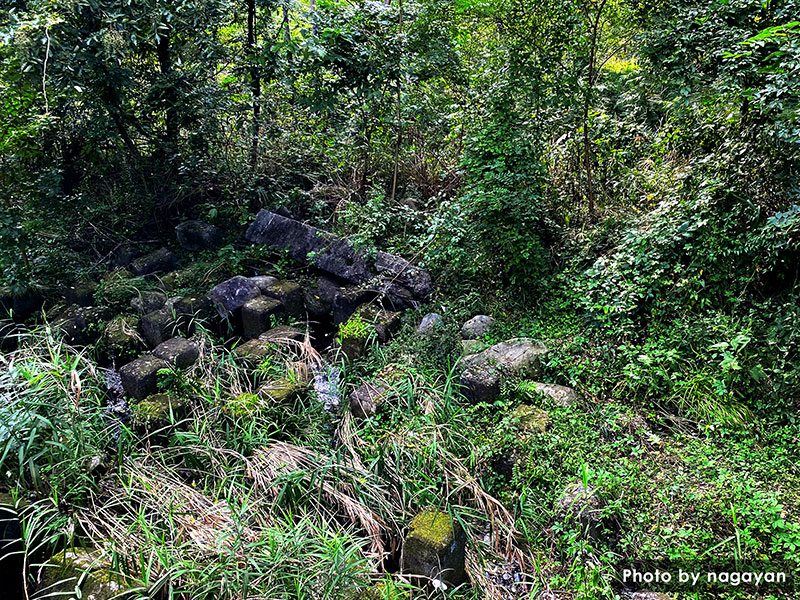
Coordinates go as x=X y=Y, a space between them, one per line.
x=358 y=299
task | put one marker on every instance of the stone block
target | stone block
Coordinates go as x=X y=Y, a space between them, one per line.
x=197 y=235
x=258 y=315
x=159 y=261
x=178 y=352
x=435 y=548
x=232 y=294
x=290 y=295
x=140 y=377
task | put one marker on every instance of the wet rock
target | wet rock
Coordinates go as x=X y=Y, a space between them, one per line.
x=81 y=294
x=258 y=315
x=367 y=399
x=289 y=293
x=531 y=419
x=309 y=245
x=480 y=383
x=385 y=323
x=282 y=334
x=140 y=377
x=559 y=394
x=430 y=323
x=160 y=261
x=85 y=568
x=148 y=301
x=519 y=357
x=477 y=327
x=121 y=339
x=157 y=411
x=582 y=505
x=231 y=295
x=197 y=235
x=435 y=548
x=178 y=352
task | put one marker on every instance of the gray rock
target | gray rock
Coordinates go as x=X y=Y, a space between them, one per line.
x=257 y=315
x=81 y=325
x=582 y=505
x=193 y=307
x=309 y=245
x=289 y=293
x=477 y=327
x=160 y=261
x=197 y=235
x=398 y=269
x=480 y=383
x=124 y=255
x=231 y=295
x=86 y=569
x=367 y=399
x=121 y=338
x=140 y=377
x=264 y=281
x=253 y=351
x=430 y=323
x=559 y=394
x=148 y=301
x=518 y=357
x=178 y=352
x=435 y=548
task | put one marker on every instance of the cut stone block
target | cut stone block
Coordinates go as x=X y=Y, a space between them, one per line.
x=264 y=282
x=435 y=548
x=160 y=261
x=367 y=399
x=282 y=390
x=194 y=307
x=155 y=411
x=197 y=235
x=257 y=315
x=121 y=338
x=289 y=293
x=281 y=333
x=81 y=325
x=158 y=326
x=178 y=351
x=140 y=377
x=386 y=323
x=481 y=384
x=253 y=351
x=81 y=294
x=148 y=301
x=232 y=294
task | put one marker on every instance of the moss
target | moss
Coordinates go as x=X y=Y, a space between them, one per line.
x=354 y=328
x=98 y=581
x=532 y=419
x=384 y=590
x=242 y=405
x=283 y=390
x=155 y=409
x=434 y=529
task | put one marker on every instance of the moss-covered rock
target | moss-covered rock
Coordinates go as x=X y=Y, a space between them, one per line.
x=154 y=411
x=435 y=548
x=283 y=390
x=385 y=323
x=383 y=590
x=85 y=569
x=121 y=338
x=531 y=419
x=253 y=351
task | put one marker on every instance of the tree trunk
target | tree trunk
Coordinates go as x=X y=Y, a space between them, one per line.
x=399 y=138
x=255 y=81
x=164 y=56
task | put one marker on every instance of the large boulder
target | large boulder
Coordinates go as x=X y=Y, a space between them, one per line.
x=480 y=384
x=518 y=357
x=159 y=261
x=435 y=548
x=560 y=395
x=232 y=294
x=310 y=245
x=197 y=235
x=121 y=339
